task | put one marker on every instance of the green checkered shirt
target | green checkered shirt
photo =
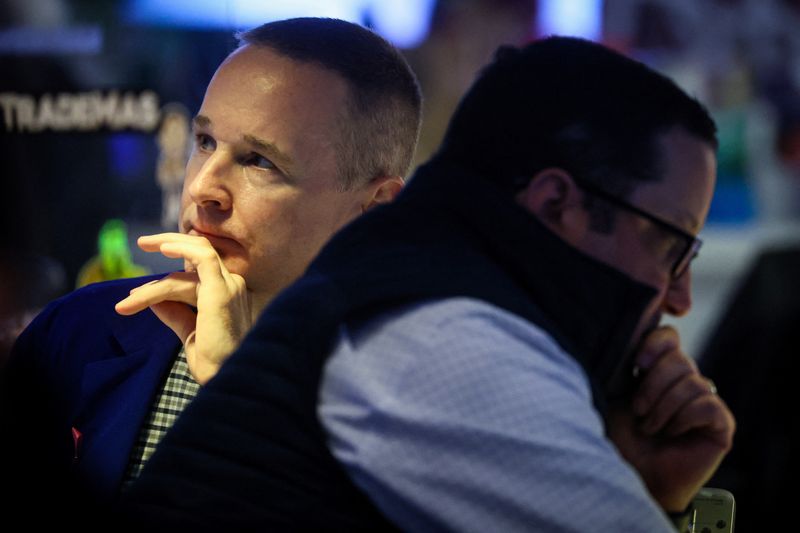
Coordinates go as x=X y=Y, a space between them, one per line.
x=179 y=389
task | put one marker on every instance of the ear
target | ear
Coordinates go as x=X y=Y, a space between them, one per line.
x=555 y=199
x=381 y=190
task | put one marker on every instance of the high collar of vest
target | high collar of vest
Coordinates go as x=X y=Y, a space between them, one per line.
x=592 y=308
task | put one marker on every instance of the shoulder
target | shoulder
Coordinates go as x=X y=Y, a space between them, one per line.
x=459 y=331
x=79 y=323
x=88 y=301
x=454 y=353
x=458 y=392
x=106 y=290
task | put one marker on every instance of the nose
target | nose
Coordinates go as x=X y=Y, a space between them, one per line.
x=678 y=299
x=207 y=186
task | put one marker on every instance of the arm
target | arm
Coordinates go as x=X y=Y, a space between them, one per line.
x=478 y=422
x=224 y=308
x=676 y=430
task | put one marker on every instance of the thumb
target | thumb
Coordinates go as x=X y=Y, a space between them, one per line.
x=178 y=317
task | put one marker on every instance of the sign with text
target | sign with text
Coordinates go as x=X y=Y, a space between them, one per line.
x=82 y=111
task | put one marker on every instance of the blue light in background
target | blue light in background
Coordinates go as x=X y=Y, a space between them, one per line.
x=405 y=23
x=578 y=18
x=125 y=152
x=38 y=41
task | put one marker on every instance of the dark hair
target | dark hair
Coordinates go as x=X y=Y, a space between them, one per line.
x=574 y=104
x=384 y=107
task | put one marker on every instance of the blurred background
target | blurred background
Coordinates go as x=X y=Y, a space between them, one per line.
x=96 y=95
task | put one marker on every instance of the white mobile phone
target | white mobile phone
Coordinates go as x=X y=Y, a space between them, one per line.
x=714 y=511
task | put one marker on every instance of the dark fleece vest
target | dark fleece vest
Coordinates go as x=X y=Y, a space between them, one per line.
x=250 y=451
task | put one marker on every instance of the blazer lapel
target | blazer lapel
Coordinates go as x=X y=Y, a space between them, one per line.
x=116 y=395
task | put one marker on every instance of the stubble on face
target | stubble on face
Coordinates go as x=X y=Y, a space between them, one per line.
x=282 y=216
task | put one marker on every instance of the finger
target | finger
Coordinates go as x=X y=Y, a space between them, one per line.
x=667 y=370
x=152 y=243
x=203 y=259
x=196 y=251
x=176 y=316
x=143 y=285
x=178 y=287
x=658 y=342
x=673 y=402
x=707 y=415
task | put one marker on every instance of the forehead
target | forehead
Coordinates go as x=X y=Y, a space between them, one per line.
x=683 y=194
x=297 y=106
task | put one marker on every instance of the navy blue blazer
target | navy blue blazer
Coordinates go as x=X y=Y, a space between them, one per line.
x=95 y=374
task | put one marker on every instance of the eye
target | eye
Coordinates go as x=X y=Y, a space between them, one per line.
x=258 y=161
x=205 y=142
x=674 y=248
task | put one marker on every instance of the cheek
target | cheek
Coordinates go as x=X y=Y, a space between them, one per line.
x=658 y=301
x=185 y=198
x=633 y=257
x=272 y=223
x=291 y=222
x=307 y=226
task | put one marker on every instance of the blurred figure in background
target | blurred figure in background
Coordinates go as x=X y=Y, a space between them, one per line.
x=174 y=146
x=113 y=259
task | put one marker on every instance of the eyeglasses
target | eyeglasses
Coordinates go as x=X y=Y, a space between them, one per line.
x=687 y=245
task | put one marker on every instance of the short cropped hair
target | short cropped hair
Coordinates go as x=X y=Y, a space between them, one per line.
x=573 y=104
x=379 y=135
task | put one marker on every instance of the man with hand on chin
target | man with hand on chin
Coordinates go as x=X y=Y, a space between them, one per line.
x=223 y=304
x=305 y=126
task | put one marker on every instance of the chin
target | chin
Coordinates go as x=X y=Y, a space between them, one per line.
x=235 y=266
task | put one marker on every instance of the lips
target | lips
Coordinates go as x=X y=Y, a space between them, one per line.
x=215 y=238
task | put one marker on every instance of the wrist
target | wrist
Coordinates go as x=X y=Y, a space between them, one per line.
x=203 y=372
x=682 y=519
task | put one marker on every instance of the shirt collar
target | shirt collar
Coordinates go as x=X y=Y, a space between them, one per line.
x=592 y=308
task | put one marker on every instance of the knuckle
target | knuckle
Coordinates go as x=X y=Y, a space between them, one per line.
x=207 y=254
x=238 y=282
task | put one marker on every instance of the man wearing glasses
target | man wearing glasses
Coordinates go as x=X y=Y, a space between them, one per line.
x=491 y=359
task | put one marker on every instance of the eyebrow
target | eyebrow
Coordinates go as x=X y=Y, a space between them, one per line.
x=268 y=149
x=201 y=121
